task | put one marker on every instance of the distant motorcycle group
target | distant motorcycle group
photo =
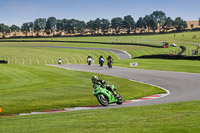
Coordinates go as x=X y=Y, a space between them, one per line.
x=101 y=60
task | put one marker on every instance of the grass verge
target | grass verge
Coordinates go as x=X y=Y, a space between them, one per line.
x=38 y=55
x=28 y=88
x=180 y=117
x=191 y=66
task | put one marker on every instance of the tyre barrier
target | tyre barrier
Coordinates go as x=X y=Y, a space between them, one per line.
x=165 y=56
x=3 y=61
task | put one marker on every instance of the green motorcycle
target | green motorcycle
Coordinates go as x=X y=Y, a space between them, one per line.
x=106 y=97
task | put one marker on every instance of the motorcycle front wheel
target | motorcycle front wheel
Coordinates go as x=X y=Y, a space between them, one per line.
x=102 y=100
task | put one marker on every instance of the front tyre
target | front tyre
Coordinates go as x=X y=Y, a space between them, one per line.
x=102 y=100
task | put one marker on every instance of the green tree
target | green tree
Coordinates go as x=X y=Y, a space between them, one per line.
x=97 y=24
x=59 y=26
x=4 y=29
x=91 y=26
x=117 y=24
x=65 y=26
x=31 y=26
x=129 y=23
x=147 y=22
x=169 y=24
x=141 y=24
x=39 y=25
x=14 y=29
x=153 y=24
x=180 y=24
x=105 y=24
x=51 y=25
x=25 y=28
x=159 y=17
x=72 y=25
x=81 y=26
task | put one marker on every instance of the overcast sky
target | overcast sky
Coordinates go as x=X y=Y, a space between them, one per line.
x=21 y=11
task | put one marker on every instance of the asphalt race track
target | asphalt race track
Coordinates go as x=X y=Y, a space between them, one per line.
x=182 y=86
x=119 y=53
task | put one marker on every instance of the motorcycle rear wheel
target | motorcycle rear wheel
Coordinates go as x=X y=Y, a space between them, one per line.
x=109 y=64
x=101 y=64
x=120 y=100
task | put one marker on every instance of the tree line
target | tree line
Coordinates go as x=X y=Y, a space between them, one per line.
x=156 y=21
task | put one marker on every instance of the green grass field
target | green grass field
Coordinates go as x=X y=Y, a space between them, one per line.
x=180 y=117
x=27 y=88
x=27 y=85
x=184 y=38
x=191 y=66
x=36 y=55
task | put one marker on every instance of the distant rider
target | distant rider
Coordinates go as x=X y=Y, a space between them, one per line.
x=89 y=57
x=59 y=61
x=109 y=58
x=96 y=82
x=101 y=60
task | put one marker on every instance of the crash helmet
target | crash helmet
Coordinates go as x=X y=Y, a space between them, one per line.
x=94 y=79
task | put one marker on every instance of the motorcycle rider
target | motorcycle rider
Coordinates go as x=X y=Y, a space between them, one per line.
x=109 y=58
x=101 y=59
x=59 y=60
x=96 y=82
x=89 y=56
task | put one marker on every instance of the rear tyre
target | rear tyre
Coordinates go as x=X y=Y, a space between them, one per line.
x=120 y=100
x=102 y=100
x=110 y=64
x=101 y=64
